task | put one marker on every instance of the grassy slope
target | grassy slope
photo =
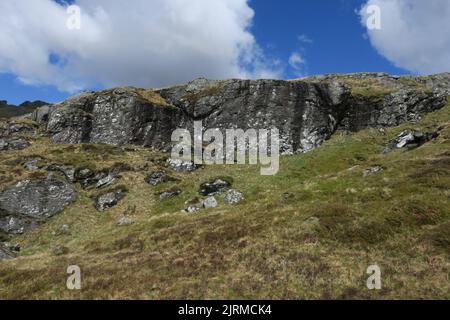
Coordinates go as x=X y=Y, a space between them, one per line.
x=261 y=248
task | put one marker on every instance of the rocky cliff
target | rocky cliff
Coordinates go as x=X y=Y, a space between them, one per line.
x=306 y=111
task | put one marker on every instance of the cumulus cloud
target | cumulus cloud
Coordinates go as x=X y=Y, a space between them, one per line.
x=297 y=63
x=148 y=43
x=414 y=34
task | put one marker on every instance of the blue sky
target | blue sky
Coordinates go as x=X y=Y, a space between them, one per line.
x=326 y=35
x=337 y=43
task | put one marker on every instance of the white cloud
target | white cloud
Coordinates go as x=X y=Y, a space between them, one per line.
x=414 y=34
x=297 y=63
x=148 y=43
x=303 y=38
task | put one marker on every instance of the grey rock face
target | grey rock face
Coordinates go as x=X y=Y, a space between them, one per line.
x=307 y=112
x=116 y=117
x=41 y=115
x=27 y=204
x=37 y=198
x=109 y=200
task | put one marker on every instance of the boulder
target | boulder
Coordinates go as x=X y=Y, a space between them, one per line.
x=213 y=187
x=232 y=196
x=30 y=202
x=410 y=139
x=67 y=171
x=8 y=144
x=157 y=177
x=37 y=198
x=108 y=200
x=169 y=193
x=210 y=202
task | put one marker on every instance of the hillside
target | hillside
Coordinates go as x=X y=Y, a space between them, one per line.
x=10 y=111
x=347 y=195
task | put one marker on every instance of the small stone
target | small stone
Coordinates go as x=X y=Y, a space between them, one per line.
x=210 y=202
x=33 y=164
x=106 y=181
x=124 y=221
x=180 y=165
x=169 y=193
x=192 y=209
x=373 y=170
x=60 y=250
x=233 y=197
x=158 y=177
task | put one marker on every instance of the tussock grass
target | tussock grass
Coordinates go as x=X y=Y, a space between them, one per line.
x=308 y=232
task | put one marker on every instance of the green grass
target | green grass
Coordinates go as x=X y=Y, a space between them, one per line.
x=308 y=232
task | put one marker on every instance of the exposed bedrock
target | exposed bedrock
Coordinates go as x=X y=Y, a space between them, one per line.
x=306 y=111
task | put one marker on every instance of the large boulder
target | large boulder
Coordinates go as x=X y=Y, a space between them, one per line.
x=30 y=202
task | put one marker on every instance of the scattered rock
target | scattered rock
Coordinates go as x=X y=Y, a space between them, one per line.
x=13 y=144
x=169 y=193
x=60 y=250
x=33 y=164
x=6 y=253
x=124 y=221
x=194 y=205
x=180 y=165
x=158 y=177
x=216 y=186
x=192 y=209
x=109 y=200
x=210 y=202
x=67 y=171
x=410 y=139
x=21 y=128
x=63 y=230
x=106 y=181
x=372 y=170
x=233 y=197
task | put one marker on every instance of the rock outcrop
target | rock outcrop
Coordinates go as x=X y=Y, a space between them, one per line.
x=28 y=203
x=306 y=111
